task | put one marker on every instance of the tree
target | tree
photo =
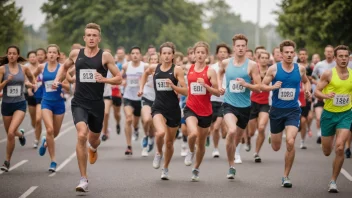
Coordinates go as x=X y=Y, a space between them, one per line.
x=11 y=25
x=313 y=24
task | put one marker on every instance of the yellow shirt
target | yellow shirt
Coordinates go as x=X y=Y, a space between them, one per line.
x=343 y=91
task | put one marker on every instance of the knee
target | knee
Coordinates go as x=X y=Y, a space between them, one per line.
x=82 y=137
x=290 y=143
x=160 y=134
x=276 y=147
x=129 y=119
x=49 y=131
x=339 y=150
x=10 y=136
x=38 y=121
x=261 y=129
x=169 y=144
x=327 y=151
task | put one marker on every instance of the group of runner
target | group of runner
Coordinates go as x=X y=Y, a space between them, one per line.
x=234 y=98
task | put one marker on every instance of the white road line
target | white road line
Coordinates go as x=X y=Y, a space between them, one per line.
x=346 y=174
x=28 y=192
x=16 y=166
x=64 y=163
x=64 y=132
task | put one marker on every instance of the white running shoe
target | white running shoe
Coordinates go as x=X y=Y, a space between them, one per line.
x=302 y=146
x=35 y=144
x=238 y=159
x=145 y=152
x=157 y=161
x=189 y=158
x=216 y=153
x=184 y=149
x=165 y=174
x=82 y=186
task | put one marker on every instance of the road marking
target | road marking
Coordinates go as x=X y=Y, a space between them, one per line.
x=64 y=163
x=64 y=132
x=28 y=192
x=16 y=166
x=346 y=174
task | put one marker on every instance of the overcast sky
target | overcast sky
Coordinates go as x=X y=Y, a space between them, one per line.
x=32 y=14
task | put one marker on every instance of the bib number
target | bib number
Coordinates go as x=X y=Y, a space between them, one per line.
x=87 y=75
x=48 y=86
x=161 y=85
x=287 y=94
x=133 y=82
x=197 y=89
x=341 y=100
x=13 y=91
x=235 y=87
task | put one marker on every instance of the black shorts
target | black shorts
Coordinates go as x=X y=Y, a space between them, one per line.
x=107 y=98
x=90 y=112
x=242 y=114
x=305 y=110
x=173 y=118
x=217 y=111
x=256 y=108
x=282 y=117
x=32 y=101
x=116 y=101
x=320 y=103
x=135 y=104
x=203 y=121
x=147 y=102
x=8 y=109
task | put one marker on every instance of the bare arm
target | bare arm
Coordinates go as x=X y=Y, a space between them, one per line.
x=269 y=78
x=222 y=68
x=306 y=82
x=38 y=70
x=213 y=89
x=66 y=85
x=110 y=63
x=180 y=75
x=149 y=69
x=324 y=81
x=254 y=73
x=61 y=74
x=29 y=75
x=3 y=83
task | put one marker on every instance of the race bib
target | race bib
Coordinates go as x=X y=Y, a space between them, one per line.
x=197 y=89
x=235 y=87
x=14 y=91
x=287 y=93
x=87 y=75
x=341 y=100
x=48 y=86
x=161 y=85
x=133 y=82
x=39 y=84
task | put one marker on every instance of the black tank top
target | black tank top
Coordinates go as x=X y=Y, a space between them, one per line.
x=86 y=87
x=165 y=98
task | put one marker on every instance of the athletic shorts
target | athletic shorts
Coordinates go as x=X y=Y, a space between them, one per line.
x=282 y=117
x=217 y=111
x=90 y=112
x=8 y=109
x=107 y=98
x=256 y=108
x=203 y=121
x=305 y=111
x=331 y=121
x=173 y=119
x=135 y=104
x=32 y=101
x=116 y=101
x=57 y=107
x=147 y=102
x=320 y=103
x=241 y=113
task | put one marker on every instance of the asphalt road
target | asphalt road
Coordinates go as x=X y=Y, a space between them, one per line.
x=115 y=175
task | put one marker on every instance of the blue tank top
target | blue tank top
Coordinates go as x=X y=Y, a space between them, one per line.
x=287 y=95
x=237 y=95
x=48 y=79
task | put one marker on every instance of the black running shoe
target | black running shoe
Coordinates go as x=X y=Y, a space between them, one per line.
x=118 y=129
x=319 y=140
x=128 y=152
x=6 y=166
x=22 y=139
x=348 y=153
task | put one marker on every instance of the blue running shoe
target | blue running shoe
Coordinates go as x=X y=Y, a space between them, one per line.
x=22 y=139
x=145 y=142
x=151 y=146
x=52 y=167
x=42 y=148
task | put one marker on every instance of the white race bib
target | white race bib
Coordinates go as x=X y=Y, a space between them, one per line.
x=287 y=94
x=235 y=87
x=197 y=89
x=39 y=84
x=161 y=85
x=133 y=81
x=341 y=100
x=48 y=86
x=87 y=75
x=14 y=91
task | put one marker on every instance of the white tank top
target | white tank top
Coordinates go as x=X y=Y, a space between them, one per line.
x=148 y=91
x=133 y=76
x=221 y=98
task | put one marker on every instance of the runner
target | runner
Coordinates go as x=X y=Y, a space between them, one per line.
x=165 y=110
x=238 y=71
x=222 y=52
x=13 y=106
x=147 y=103
x=286 y=77
x=277 y=55
x=259 y=115
x=249 y=54
x=132 y=103
x=319 y=69
x=335 y=88
x=87 y=105
x=53 y=105
x=258 y=50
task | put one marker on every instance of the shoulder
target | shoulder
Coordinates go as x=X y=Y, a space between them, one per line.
x=272 y=68
x=178 y=68
x=74 y=52
x=252 y=64
x=2 y=68
x=211 y=70
x=225 y=61
x=107 y=55
x=326 y=74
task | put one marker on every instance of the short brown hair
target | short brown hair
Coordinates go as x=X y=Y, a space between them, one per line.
x=265 y=52
x=178 y=55
x=190 y=49
x=93 y=26
x=201 y=44
x=224 y=46
x=259 y=47
x=329 y=46
x=274 y=50
x=287 y=43
x=239 y=37
x=341 y=47
x=168 y=44
x=249 y=50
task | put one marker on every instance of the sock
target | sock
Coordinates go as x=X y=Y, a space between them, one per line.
x=151 y=140
x=319 y=132
x=238 y=148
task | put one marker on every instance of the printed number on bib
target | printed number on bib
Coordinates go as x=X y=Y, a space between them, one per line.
x=13 y=91
x=161 y=85
x=235 y=87
x=287 y=94
x=87 y=75
x=341 y=100
x=133 y=82
x=197 y=89
x=48 y=86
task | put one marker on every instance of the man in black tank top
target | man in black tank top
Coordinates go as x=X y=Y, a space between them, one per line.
x=88 y=105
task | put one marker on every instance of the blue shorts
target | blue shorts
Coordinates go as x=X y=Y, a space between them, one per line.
x=282 y=117
x=8 y=109
x=183 y=120
x=56 y=106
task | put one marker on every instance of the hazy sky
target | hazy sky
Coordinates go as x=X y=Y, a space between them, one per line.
x=246 y=8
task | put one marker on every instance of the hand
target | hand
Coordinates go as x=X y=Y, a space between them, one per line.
x=99 y=78
x=241 y=81
x=55 y=85
x=140 y=93
x=222 y=91
x=34 y=87
x=330 y=95
x=308 y=95
x=30 y=92
x=169 y=82
x=277 y=85
x=201 y=81
x=9 y=77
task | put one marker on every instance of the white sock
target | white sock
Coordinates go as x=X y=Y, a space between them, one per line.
x=319 y=132
x=238 y=148
x=151 y=140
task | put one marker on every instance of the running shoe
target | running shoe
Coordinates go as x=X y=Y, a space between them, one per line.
x=128 y=151
x=189 y=158
x=247 y=147
x=92 y=155
x=52 y=167
x=319 y=140
x=82 y=186
x=157 y=161
x=42 y=149
x=150 y=145
x=216 y=153
x=184 y=149
x=333 y=187
x=35 y=144
x=6 y=166
x=104 y=137
x=286 y=182
x=22 y=139
x=135 y=135
x=302 y=146
x=231 y=174
x=238 y=159
x=145 y=142
x=165 y=174
x=145 y=152
x=195 y=175
x=348 y=153
x=257 y=159
x=118 y=130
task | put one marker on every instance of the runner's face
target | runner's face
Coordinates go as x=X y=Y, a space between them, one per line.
x=32 y=59
x=240 y=48
x=166 y=55
x=179 y=61
x=303 y=56
x=315 y=58
x=151 y=51
x=41 y=57
x=135 y=55
x=201 y=54
x=12 y=55
x=91 y=37
x=249 y=55
x=342 y=58
x=191 y=57
x=52 y=54
x=329 y=52
x=222 y=54
x=277 y=55
x=154 y=59
x=288 y=53
x=264 y=60
x=258 y=52
x=120 y=54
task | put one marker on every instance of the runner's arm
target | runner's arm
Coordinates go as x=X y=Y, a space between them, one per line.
x=66 y=85
x=221 y=72
x=61 y=74
x=268 y=79
x=110 y=63
x=29 y=75
x=254 y=73
x=38 y=70
x=323 y=82
x=149 y=69
x=306 y=82
x=213 y=89
x=3 y=83
x=180 y=75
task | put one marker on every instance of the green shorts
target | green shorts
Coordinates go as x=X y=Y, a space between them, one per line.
x=331 y=121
